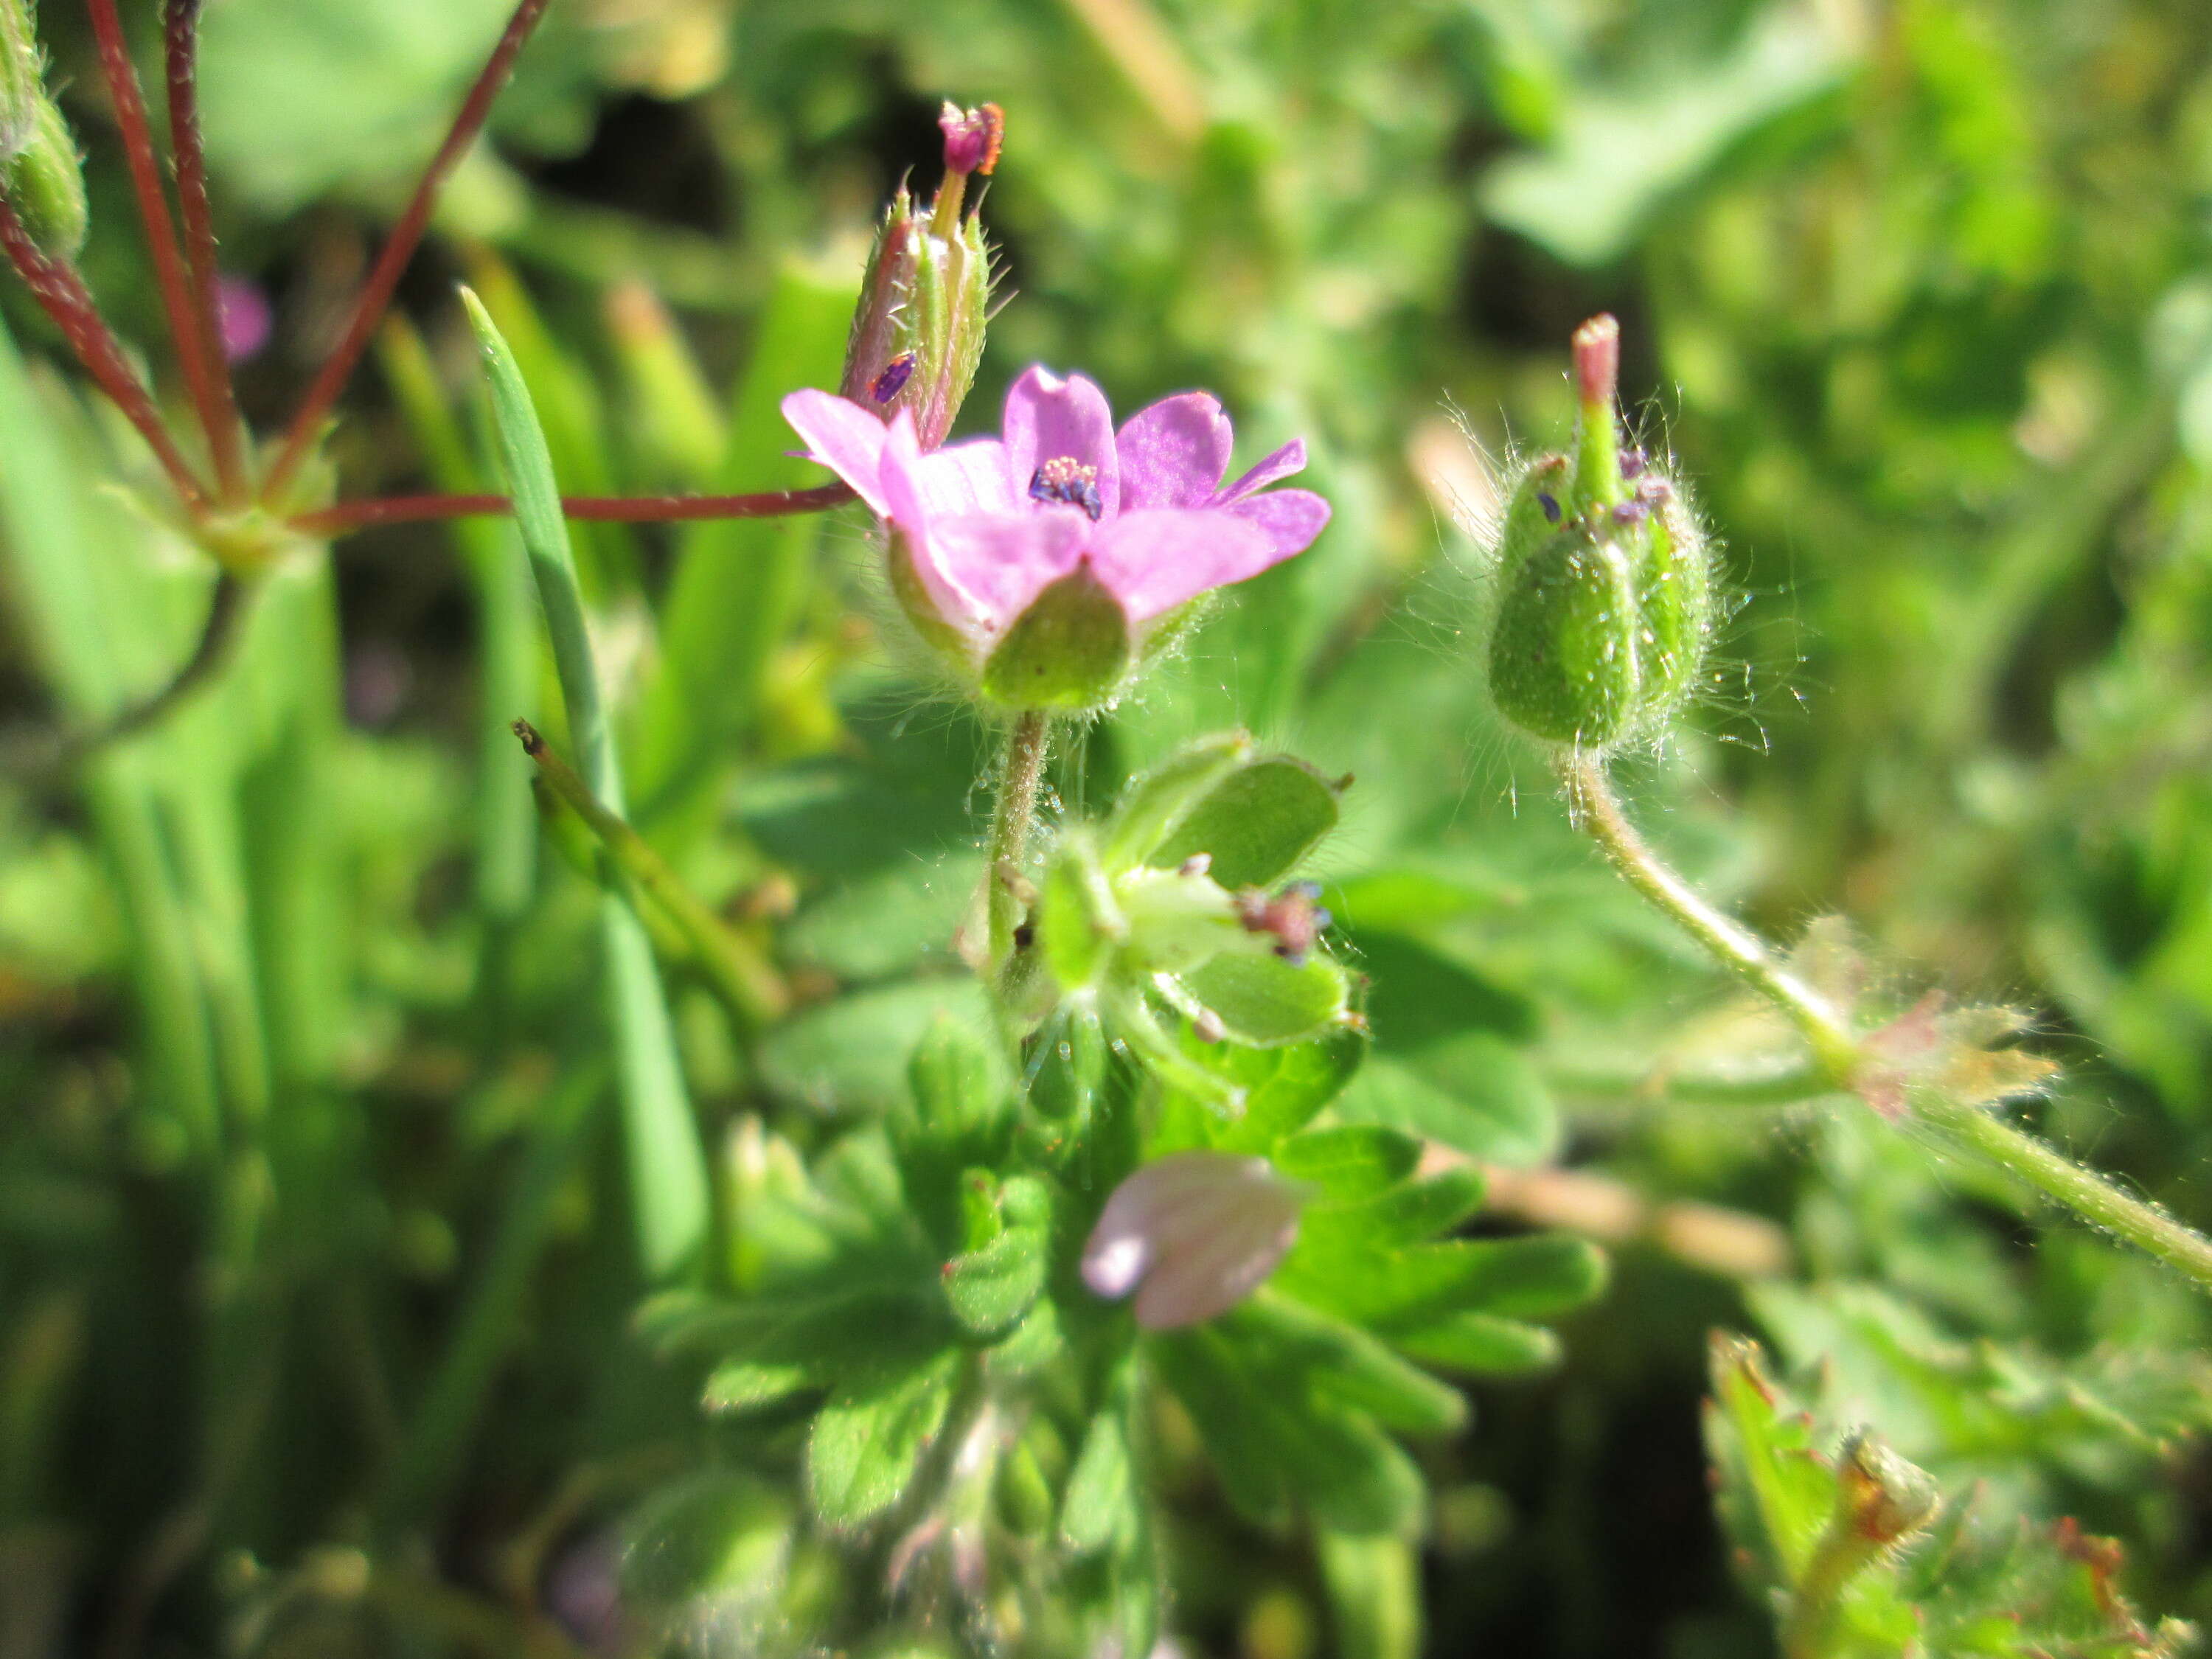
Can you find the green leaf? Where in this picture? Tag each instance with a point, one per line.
(851, 1054)
(1474, 1094)
(1284, 1089)
(1255, 824)
(1408, 1213)
(1349, 1366)
(870, 1438)
(1480, 1345)
(1516, 1278)
(958, 1081)
(1102, 1496)
(1078, 922)
(991, 1288)
(1159, 800)
(667, 1165)
(1264, 1001)
(1349, 1161)
(718, 1534)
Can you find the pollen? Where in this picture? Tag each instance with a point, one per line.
(1065, 480)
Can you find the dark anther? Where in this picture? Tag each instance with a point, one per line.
(1632, 462)
(1550, 503)
(1025, 936)
(1068, 480)
(1630, 513)
(893, 381)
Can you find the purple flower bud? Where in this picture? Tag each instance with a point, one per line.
(1192, 1235)
(1294, 916)
(972, 137)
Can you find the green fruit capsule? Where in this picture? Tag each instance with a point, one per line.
(1605, 602)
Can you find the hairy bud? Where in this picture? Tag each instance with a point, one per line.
(39, 173)
(918, 332)
(1604, 605)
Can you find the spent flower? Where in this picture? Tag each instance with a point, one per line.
(1605, 602)
(1192, 1234)
(1041, 563)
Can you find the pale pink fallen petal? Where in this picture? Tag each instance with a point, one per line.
(844, 437)
(1290, 518)
(1004, 563)
(1290, 458)
(1192, 1234)
(1154, 560)
(1049, 417)
(1173, 452)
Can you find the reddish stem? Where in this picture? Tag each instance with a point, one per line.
(406, 234)
(62, 295)
(180, 42)
(624, 509)
(115, 67)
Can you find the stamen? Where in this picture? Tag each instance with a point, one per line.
(1065, 480)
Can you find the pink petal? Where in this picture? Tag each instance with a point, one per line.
(1004, 563)
(1154, 560)
(1290, 518)
(1174, 452)
(1192, 1234)
(1198, 1283)
(969, 477)
(900, 472)
(1290, 458)
(1048, 417)
(844, 437)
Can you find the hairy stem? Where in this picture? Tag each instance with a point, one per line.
(145, 168)
(180, 39)
(2058, 1178)
(740, 974)
(1598, 811)
(62, 295)
(398, 249)
(1011, 820)
(627, 509)
(1836, 1054)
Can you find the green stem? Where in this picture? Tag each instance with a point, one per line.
(1835, 1048)
(1011, 820)
(2057, 1177)
(743, 977)
(1598, 811)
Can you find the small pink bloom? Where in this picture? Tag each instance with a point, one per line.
(243, 317)
(1193, 1234)
(992, 522)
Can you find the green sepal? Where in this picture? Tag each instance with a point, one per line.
(1070, 650)
(1255, 823)
(1156, 803)
(1261, 999)
(1078, 924)
(988, 1289)
(1529, 523)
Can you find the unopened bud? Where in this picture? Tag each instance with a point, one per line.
(917, 332)
(39, 173)
(1880, 1498)
(1604, 605)
(44, 182)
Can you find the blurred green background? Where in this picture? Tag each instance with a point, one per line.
(1919, 294)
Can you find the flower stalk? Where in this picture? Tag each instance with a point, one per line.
(1842, 1057)
(1013, 815)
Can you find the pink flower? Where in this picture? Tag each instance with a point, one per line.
(1193, 1234)
(990, 523)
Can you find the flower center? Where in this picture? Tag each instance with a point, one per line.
(1068, 481)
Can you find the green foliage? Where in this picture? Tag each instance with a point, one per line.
(1856, 1556)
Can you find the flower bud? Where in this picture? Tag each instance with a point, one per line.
(39, 173)
(1605, 606)
(917, 332)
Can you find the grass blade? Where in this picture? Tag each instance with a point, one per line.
(667, 1166)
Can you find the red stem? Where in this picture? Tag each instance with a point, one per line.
(625, 509)
(62, 295)
(115, 67)
(369, 311)
(180, 42)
